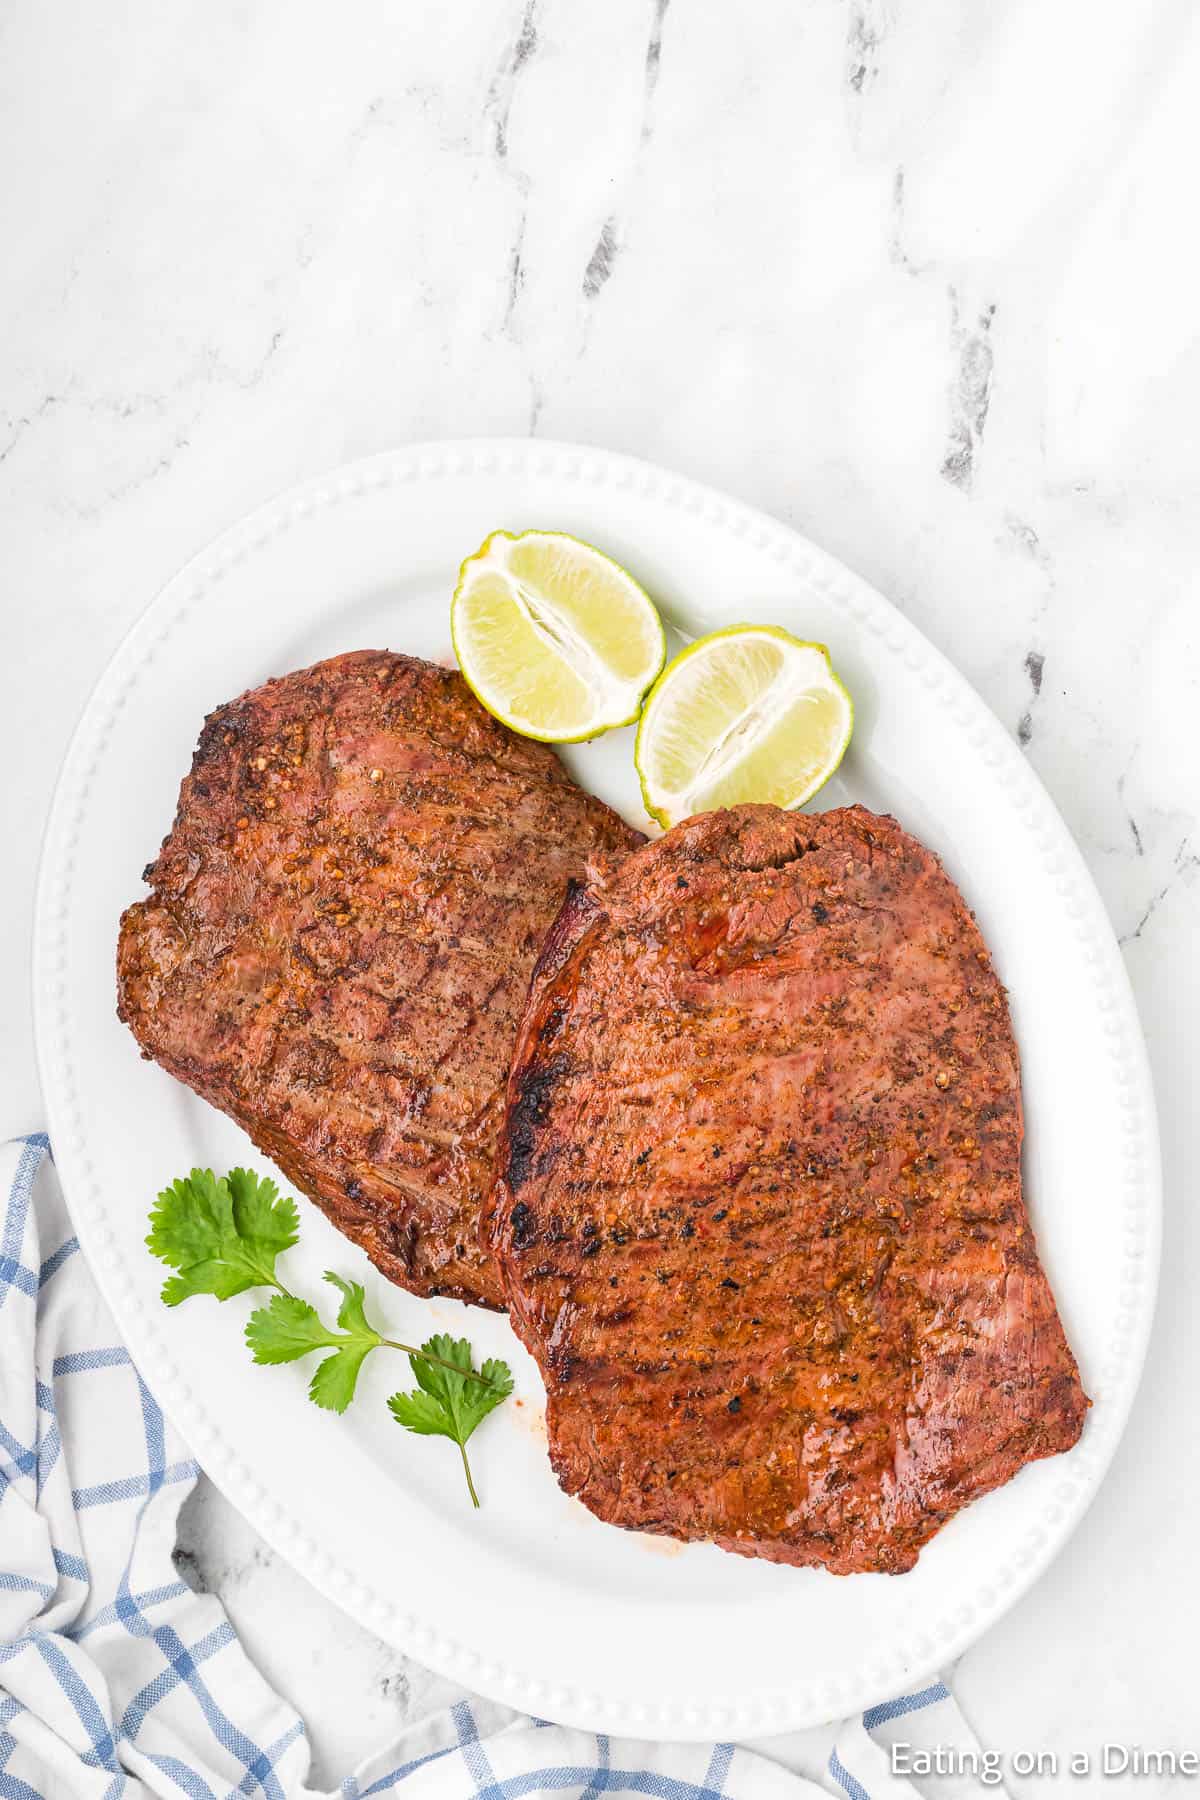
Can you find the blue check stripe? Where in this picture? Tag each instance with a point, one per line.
(595, 1786)
(351, 1790)
(273, 1752)
(473, 1752)
(108, 1356)
(12, 1272)
(103, 1753)
(107, 1493)
(9, 1708)
(184, 1778)
(23, 1459)
(54, 1263)
(718, 1768)
(128, 1609)
(49, 1446)
(845, 1780)
(907, 1703)
(152, 1425)
(16, 1275)
(73, 1567)
(17, 1583)
(12, 1789)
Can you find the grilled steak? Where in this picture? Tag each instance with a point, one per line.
(342, 927)
(759, 1212)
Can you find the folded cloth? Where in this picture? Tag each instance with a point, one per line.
(117, 1679)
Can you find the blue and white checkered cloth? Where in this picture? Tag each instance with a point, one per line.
(116, 1679)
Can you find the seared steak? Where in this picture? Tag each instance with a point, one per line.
(342, 927)
(759, 1209)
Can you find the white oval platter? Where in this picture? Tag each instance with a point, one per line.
(530, 1600)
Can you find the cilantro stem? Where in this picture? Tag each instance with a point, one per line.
(408, 1349)
(441, 1361)
(467, 1472)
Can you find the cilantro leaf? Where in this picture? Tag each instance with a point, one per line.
(420, 1413)
(333, 1384)
(288, 1328)
(351, 1316)
(335, 1379)
(284, 1329)
(452, 1397)
(260, 1214)
(221, 1235)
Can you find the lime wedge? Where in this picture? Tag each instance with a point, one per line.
(555, 639)
(750, 713)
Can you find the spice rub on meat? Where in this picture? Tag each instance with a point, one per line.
(340, 936)
(759, 1205)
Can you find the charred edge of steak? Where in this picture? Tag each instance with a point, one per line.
(530, 1108)
(528, 1098)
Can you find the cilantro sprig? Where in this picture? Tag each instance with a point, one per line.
(223, 1235)
(447, 1403)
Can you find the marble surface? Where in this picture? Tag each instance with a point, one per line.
(919, 276)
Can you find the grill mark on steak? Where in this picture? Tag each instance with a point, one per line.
(759, 1211)
(341, 930)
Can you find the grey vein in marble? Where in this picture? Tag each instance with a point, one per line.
(601, 261)
(1035, 663)
(609, 244)
(498, 110)
(653, 67)
(19, 426)
(971, 391)
(1026, 539)
(498, 105)
(1134, 830)
(864, 35)
(1183, 868)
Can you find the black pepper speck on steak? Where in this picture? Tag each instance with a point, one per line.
(759, 1209)
(340, 936)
